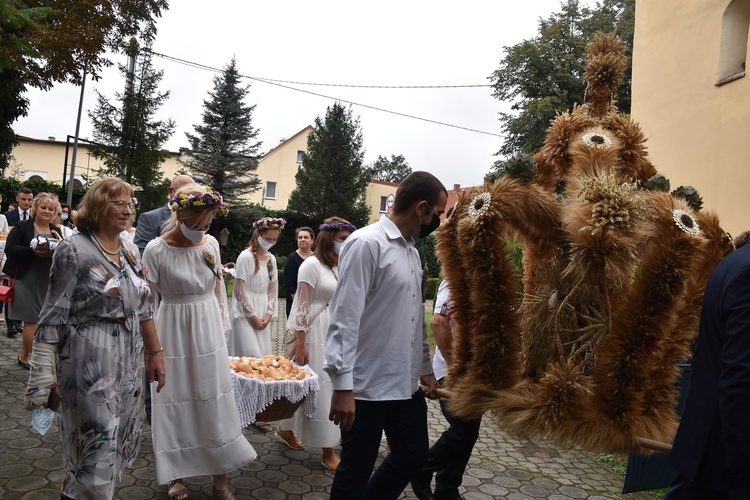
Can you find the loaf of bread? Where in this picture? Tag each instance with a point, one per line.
(269, 368)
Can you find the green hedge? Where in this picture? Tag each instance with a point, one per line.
(432, 286)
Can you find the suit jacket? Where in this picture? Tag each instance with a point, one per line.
(150, 225)
(20, 255)
(712, 446)
(13, 218)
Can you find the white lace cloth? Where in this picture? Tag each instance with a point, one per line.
(253, 395)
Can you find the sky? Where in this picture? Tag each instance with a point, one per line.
(384, 43)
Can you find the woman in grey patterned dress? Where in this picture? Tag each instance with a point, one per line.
(95, 326)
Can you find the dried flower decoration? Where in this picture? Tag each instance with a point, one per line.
(597, 140)
(686, 222)
(134, 263)
(479, 205)
(209, 259)
(338, 226)
(210, 198)
(269, 223)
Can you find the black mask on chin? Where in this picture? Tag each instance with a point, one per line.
(427, 229)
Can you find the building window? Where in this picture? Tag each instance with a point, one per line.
(34, 175)
(383, 202)
(270, 190)
(735, 26)
(300, 156)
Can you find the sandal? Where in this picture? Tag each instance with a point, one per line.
(177, 488)
(223, 495)
(289, 439)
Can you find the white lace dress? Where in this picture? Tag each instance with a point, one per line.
(255, 294)
(195, 423)
(316, 283)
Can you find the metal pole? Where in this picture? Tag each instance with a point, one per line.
(75, 141)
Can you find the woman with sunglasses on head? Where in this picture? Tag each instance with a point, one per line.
(95, 338)
(256, 290)
(196, 427)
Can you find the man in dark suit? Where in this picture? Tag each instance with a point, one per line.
(151, 223)
(712, 448)
(24, 198)
(23, 212)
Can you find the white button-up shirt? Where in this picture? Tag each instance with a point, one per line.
(377, 342)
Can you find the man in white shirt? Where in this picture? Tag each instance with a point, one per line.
(377, 350)
(450, 454)
(24, 198)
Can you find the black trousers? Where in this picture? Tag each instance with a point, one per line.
(450, 454)
(681, 488)
(405, 424)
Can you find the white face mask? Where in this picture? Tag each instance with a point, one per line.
(195, 236)
(265, 245)
(337, 246)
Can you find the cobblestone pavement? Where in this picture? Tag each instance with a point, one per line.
(501, 467)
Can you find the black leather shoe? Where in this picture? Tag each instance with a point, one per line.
(421, 488)
(11, 332)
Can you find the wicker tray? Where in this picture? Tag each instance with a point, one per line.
(259, 401)
(280, 409)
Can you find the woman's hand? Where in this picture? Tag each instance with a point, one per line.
(155, 369)
(264, 322)
(300, 354)
(41, 253)
(256, 323)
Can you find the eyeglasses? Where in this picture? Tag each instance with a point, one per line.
(122, 205)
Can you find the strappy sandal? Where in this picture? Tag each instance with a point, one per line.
(223, 495)
(177, 488)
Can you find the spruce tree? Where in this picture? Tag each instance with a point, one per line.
(127, 137)
(332, 179)
(223, 149)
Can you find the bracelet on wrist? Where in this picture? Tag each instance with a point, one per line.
(154, 353)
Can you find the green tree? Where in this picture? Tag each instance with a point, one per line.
(224, 150)
(127, 137)
(332, 179)
(393, 170)
(43, 42)
(543, 76)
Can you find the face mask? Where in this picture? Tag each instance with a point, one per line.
(264, 244)
(429, 228)
(64, 217)
(195, 236)
(337, 246)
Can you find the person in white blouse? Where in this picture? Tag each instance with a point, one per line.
(377, 350)
(256, 290)
(309, 318)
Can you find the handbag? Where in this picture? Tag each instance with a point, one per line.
(290, 336)
(7, 293)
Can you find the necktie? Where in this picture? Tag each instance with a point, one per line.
(25, 216)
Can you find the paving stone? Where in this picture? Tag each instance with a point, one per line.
(500, 467)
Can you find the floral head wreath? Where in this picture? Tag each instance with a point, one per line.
(210, 198)
(338, 226)
(269, 223)
(136, 203)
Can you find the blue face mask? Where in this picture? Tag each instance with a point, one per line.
(64, 217)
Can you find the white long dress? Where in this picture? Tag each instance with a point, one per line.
(316, 283)
(255, 294)
(195, 424)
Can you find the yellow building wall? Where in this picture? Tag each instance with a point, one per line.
(46, 158)
(373, 194)
(280, 166)
(698, 133)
